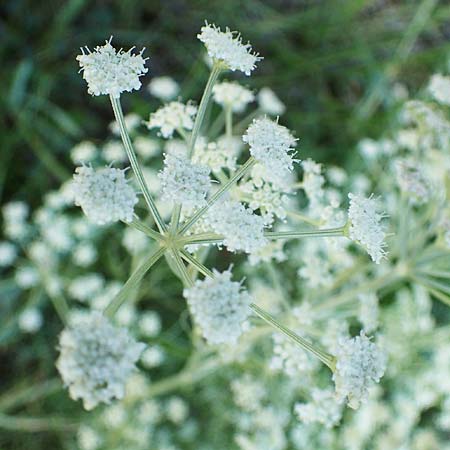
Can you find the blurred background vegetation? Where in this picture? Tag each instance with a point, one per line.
(333, 62)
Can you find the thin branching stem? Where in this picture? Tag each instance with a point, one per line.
(118, 113)
(307, 233)
(196, 263)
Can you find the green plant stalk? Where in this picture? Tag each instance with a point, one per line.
(138, 225)
(301, 234)
(132, 282)
(196, 263)
(201, 238)
(118, 113)
(326, 358)
(213, 76)
(181, 270)
(36, 424)
(221, 191)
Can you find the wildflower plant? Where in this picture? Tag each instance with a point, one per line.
(367, 255)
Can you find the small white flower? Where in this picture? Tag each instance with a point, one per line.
(269, 103)
(104, 195)
(215, 155)
(184, 182)
(84, 254)
(369, 312)
(227, 47)
(113, 152)
(132, 121)
(271, 144)
(172, 117)
(30, 320)
(365, 226)
(359, 364)
(150, 324)
(231, 94)
(145, 147)
(85, 287)
(96, 359)
(323, 408)
(439, 88)
(219, 306)
(26, 277)
(152, 357)
(83, 152)
(8, 253)
(111, 72)
(164, 88)
(242, 229)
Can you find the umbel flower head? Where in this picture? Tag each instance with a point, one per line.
(365, 225)
(232, 95)
(359, 364)
(171, 117)
(96, 359)
(111, 72)
(104, 195)
(184, 182)
(219, 306)
(241, 228)
(272, 145)
(227, 47)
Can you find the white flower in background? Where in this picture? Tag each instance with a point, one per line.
(313, 183)
(88, 438)
(215, 155)
(85, 287)
(172, 117)
(83, 152)
(96, 359)
(26, 277)
(132, 121)
(145, 147)
(269, 103)
(15, 212)
(412, 181)
(8, 253)
(111, 72)
(104, 195)
(219, 307)
(365, 226)
(359, 364)
(84, 254)
(177, 410)
(113, 152)
(30, 320)
(184, 182)
(230, 94)
(248, 392)
(150, 324)
(369, 311)
(165, 88)
(152, 357)
(439, 88)
(227, 47)
(241, 228)
(102, 297)
(271, 144)
(134, 240)
(323, 408)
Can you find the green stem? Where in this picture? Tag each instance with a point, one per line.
(229, 122)
(181, 268)
(325, 357)
(222, 190)
(132, 282)
(138, 225)
(215, 72)
(300, 234)
(36, 424)
(202, 238)
(118, 113)
(196, 263)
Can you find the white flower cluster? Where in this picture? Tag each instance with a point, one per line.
(241, 228)
(360, 363)
(111, 72)
(183, 182)
(227, 47)
(271, 144)
(172, 117)
(219, 307)
(439, 88)
(323, 408)
(164, 88)
(215, 155)
(365, 225)
(270, 103)
(104, 195)
(412, 181)
(231, 94)
(96, 359)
